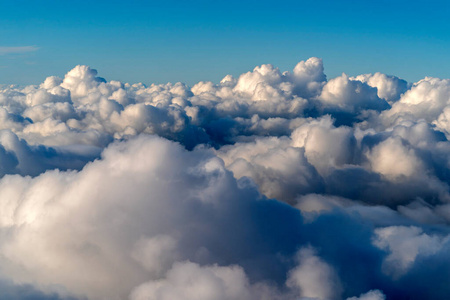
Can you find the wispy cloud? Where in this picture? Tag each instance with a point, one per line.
(15, 50)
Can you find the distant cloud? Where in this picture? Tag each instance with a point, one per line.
(16, 50)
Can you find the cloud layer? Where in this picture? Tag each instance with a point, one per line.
(272, 185)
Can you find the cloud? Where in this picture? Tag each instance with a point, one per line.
(343, 93)
(371, 295)
(404, 245)
(272, 184)
(314, 278)
(311, 279)
(388, 87)
(14, 291)
(106, 230)
(17, 50)
(189, 281)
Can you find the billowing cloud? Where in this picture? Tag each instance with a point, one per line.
(314, 278)
(273, 184)
(371, 295)
(405, 244)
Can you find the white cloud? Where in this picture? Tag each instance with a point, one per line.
(405, 244)
(96, 202)
(371, 295)
(326, 146)
(388, 87)
(314, 278)
(343, 93)
(393, 159)
(189, 281)
(16, 50)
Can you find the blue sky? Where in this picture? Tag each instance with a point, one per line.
(189, 41)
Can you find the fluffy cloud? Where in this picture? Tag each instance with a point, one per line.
(280, 170)
(314, 278)
(344, 94)
(269, 185)
(189, 281)
(371, 295)
(405, 244)
(20, 49)
(426, 99)
(311, 279)
(388, 87)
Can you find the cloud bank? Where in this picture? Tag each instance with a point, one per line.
(272, 185)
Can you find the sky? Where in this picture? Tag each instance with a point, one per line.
(190, 41)
(277, 151)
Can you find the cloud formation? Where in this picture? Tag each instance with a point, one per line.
(269, 185)
(15, 50)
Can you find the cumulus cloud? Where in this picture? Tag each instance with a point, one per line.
(272, 184)
(405, 244)
(344, 94)
(371, 295)
(426, 99)
(314, 278)
(189, 281)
